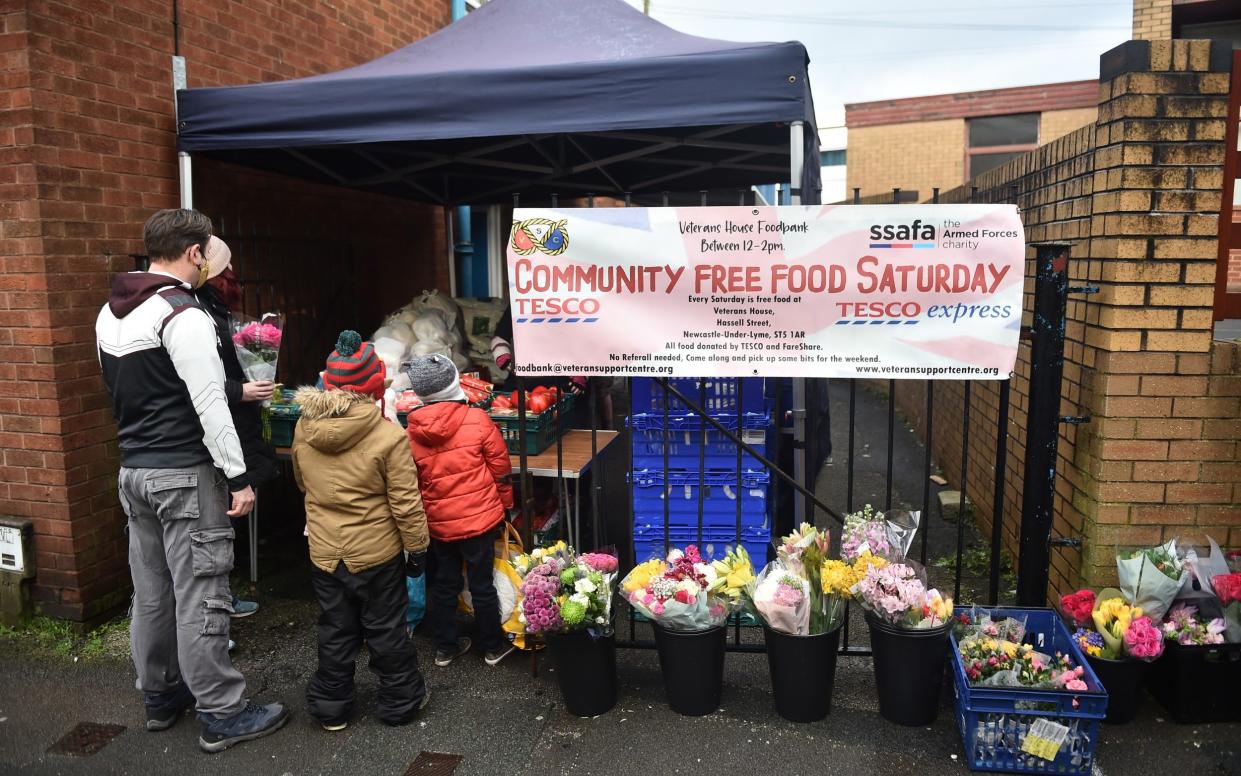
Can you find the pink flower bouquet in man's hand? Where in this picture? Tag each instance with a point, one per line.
(258, 345)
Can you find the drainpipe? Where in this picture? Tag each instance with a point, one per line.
(463, 247)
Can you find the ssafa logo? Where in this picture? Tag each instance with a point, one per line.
(540, 234)
(915, 235)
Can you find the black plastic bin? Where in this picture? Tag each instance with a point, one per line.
(909, 670)
(803, 670)
(692, 663)
(1199, 683)
(1123, 681)
(585, 670)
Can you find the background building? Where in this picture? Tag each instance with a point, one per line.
(943, 140)
(833, 143)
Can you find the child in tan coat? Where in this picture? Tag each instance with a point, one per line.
(363, 513)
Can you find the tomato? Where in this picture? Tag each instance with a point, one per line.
(538, 403)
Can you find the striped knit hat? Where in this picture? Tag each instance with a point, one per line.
(353, 366)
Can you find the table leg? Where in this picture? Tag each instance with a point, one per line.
(577, 508)
(254, 540)
(566, 511)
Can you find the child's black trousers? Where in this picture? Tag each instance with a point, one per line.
(370, 606)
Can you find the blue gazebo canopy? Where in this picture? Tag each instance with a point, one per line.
(530, 96)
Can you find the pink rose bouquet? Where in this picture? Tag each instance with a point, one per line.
(258, 345)
(1143, 640)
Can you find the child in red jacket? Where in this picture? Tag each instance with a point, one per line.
(463, 470)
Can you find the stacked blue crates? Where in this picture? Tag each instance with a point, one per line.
(666, 467)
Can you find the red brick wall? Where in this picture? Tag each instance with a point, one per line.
(86, 153)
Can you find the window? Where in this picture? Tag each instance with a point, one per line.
(994, 140)
(832, 158)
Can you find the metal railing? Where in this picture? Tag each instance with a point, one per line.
(1041, 430)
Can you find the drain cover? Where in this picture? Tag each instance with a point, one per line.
(433, 764)
(85, 739)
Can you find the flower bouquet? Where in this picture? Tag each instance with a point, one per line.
(870, 531)
(258, 344)
(837, 579)
(909, 626)
(689, 600)
(524, 563)
(567, 599)
(1151, 577)
(1183, 626)
(799, 598)
(1119, 640)
(991, 662)
(567, 592)
(1228, 590)
(683, 592)
(897, 595)
(789, 596)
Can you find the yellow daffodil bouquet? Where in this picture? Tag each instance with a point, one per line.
(837, 578)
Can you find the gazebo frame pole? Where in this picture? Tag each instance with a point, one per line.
(797, 161)
(185, 171)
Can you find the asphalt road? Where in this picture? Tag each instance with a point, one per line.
(504, 721)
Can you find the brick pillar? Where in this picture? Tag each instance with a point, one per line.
(1152, 19)
(1153, 457)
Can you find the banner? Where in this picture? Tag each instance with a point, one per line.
(878, 291)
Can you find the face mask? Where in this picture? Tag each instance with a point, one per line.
(203, 272)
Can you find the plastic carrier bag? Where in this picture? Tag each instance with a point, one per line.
(416, 609)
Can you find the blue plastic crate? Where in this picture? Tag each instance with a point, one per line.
(686, 439)
(993, 721)
(647, 396)
(681, 490)
(648, 542)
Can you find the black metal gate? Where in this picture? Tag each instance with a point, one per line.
(976, 427)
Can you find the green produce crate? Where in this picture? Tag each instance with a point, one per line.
(282, 418)
(540, 429)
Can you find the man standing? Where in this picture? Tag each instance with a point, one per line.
(182, 477)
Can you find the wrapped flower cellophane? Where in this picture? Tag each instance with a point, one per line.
(781, 598)
(885, 536)
(1151, 577)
